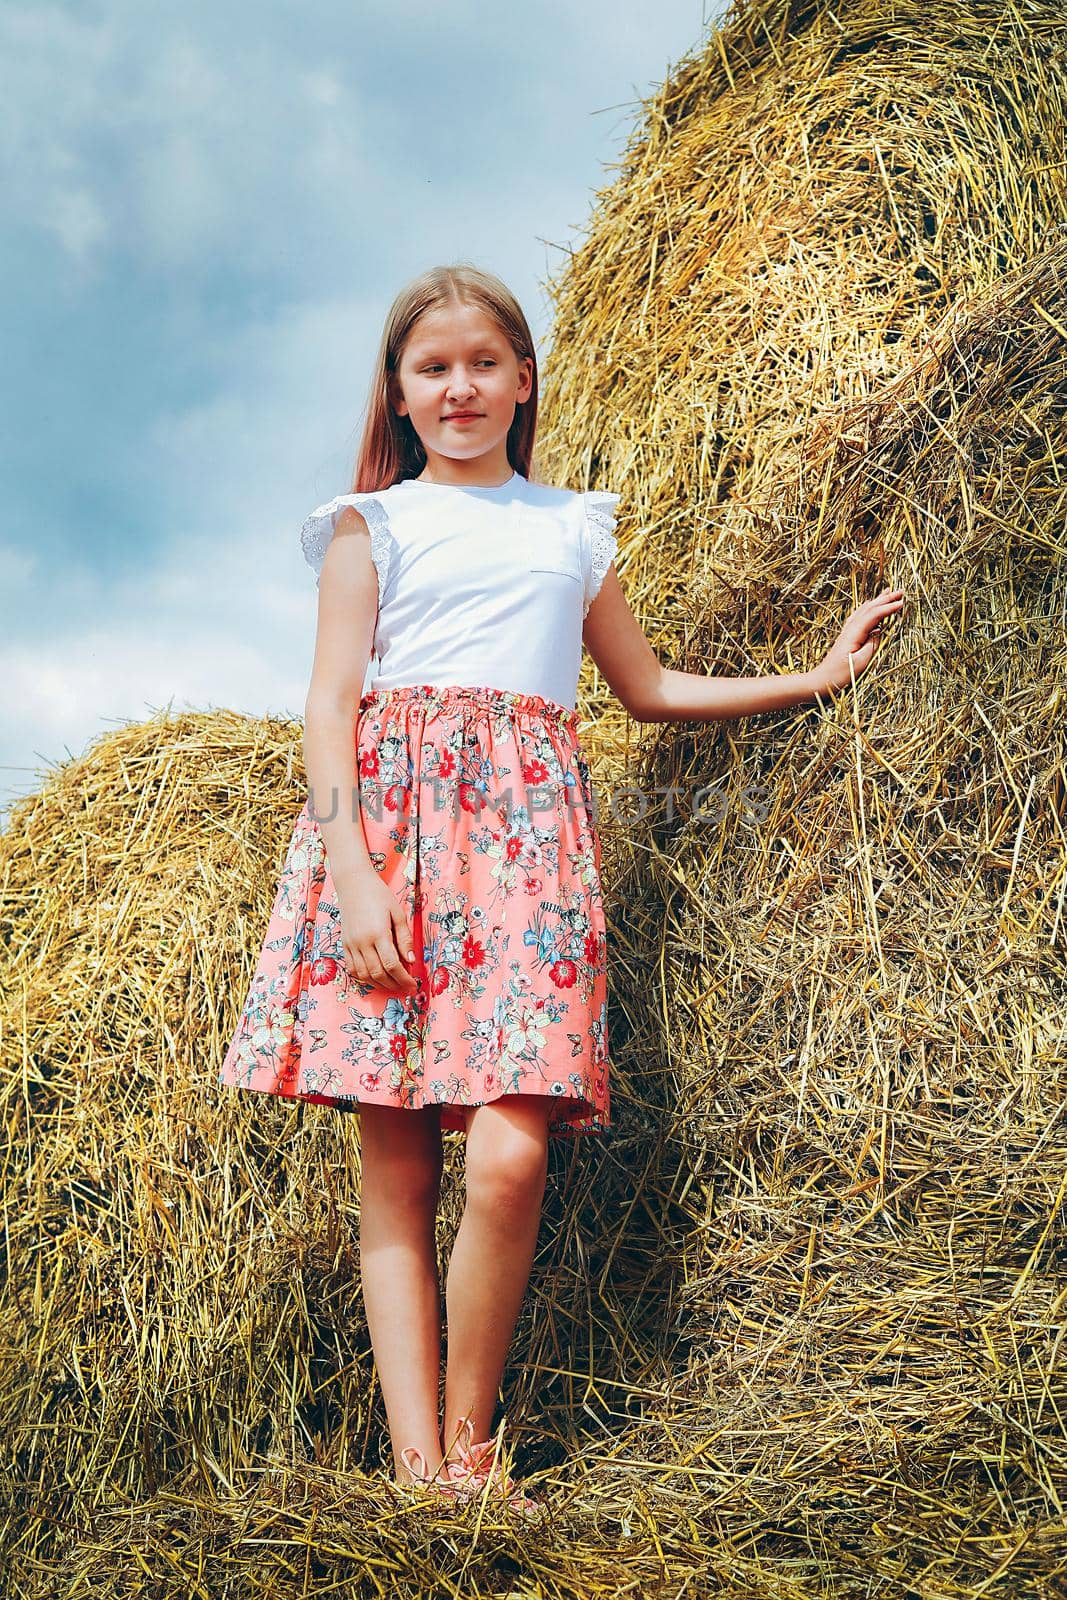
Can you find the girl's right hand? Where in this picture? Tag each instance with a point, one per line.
(376, 935)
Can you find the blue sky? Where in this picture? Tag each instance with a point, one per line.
(208, 212)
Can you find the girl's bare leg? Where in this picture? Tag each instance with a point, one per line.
(402, 1157)
(507, 1162)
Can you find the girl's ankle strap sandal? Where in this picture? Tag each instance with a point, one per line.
(423, 1477)
(477, 1468)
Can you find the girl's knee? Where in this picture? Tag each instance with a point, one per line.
(506, 1163)
(402, 1184)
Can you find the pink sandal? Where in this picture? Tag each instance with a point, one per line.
(423, 1477)
(477, 1467)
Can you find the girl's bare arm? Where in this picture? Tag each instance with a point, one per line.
(652, 692)
(376, 935)
(344, 640)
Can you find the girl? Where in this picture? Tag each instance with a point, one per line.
(435, 957)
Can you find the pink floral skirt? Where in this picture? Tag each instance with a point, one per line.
(477, 808)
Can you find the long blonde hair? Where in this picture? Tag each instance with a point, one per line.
(391, 449)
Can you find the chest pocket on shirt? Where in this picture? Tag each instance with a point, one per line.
(551, 548)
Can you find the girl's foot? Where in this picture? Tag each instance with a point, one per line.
(475, 1467)
(422, 1477)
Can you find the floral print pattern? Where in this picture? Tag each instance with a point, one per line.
(477, 808)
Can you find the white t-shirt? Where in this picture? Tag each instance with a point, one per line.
(479, 586)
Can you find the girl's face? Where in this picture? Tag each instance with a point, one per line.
(457, 363)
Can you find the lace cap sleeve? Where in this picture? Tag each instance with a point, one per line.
(600, 541)
(317, 531)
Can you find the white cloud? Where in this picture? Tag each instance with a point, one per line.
(233, 637)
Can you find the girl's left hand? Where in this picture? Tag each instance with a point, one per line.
(858, 639)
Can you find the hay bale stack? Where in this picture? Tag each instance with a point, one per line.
(844, 993)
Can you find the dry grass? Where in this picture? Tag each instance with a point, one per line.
(796, 1327)
(802, 204)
